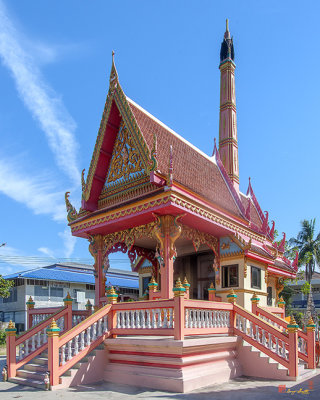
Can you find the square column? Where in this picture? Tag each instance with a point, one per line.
(167, 232)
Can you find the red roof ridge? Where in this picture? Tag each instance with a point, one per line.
(210, 158)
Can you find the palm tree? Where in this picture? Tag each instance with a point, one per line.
(308, 245)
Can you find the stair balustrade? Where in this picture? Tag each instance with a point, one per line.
(280, 346)
(23, 348)
(304, 344)
(66, 350)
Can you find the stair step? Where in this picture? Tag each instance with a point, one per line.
(40, 361)
(35, 367)
(31, 375)
(28, 382)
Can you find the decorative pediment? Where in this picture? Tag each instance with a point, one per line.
(121, 154)
(127, 165)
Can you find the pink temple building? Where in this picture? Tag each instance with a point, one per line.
(210, 270)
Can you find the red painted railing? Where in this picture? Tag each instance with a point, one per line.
(306, 347)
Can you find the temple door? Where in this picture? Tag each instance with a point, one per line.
(205, 275)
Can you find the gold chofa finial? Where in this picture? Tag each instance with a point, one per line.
(227, 25)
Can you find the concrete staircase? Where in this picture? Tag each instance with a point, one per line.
(257, 364)
(174, 365)
(33, 373)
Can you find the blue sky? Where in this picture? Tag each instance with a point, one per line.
(55, 58)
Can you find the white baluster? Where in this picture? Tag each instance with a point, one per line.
(39, 339)
(138, 319)
(133, 318)
(76, 345)
(142, 319)
(20, 351)
(81, 340)
(148, 319)
(127, 319)
(159, 318)
(69, 350)
(190, 318)
(269, 341)
(26, 347)
(88, 334)
(63, 354)
(33, 344)
(170, 324)
(105, 323)
(100, 327)
(284, 355)
(94, 334)
(165, 318)
(214, 319)
(154, 321)
(277, 345)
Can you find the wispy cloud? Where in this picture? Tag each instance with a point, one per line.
(36, 192)
(46, 251)
(69, 242)
(43, 103)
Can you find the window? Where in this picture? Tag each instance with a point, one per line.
(230, 275)
(41, 291)
(56, 292)
(90, 287)
(269, 296)
(13, 296)
(145, 282)
(255, 278)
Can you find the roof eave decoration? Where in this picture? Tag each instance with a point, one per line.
(255, 201)
(72, 214)
(228, 181)
(116, 95)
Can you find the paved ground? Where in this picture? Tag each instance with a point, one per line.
(242, 388)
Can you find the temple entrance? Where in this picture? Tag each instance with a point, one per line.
(197, 268)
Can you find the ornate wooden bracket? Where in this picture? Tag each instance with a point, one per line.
(167, 227)
(96, 245)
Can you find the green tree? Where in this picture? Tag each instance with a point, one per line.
(308, 245)
(5, 287)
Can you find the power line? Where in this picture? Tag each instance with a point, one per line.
(29, 260)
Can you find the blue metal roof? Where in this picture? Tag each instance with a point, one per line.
(82, 276)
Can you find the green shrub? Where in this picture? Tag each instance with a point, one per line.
(2, 338)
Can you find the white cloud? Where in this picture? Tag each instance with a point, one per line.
(43, 103)
(69, 242)
(46, 251)
(35, 192)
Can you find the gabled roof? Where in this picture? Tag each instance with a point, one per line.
(192, 168)
(84, 275)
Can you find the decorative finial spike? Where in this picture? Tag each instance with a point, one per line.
(112, 55)
(227, 25)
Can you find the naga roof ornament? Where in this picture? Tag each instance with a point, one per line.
(72, 212)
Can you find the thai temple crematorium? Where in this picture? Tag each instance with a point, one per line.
(210, 270)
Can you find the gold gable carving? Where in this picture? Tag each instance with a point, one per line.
(126, 161)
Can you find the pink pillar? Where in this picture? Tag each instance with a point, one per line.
(167, 232)
(255, 303)
(179, 318)
(311, 344)
(11, 349)
(112, 315)
(293, 347)
(68, 318)
(97, 250)
(30, 306)
(167, 270)
(53, 353)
